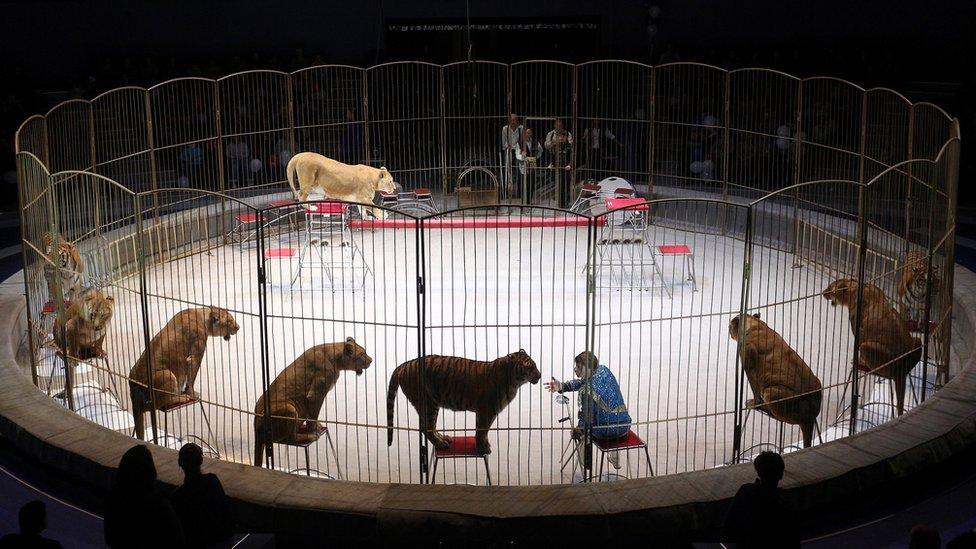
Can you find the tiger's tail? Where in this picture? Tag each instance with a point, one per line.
(391, 395)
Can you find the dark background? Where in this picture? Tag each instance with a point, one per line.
(54, 50)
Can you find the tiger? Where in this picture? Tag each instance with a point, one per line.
(79, 330)
(460, 384)
(886, 347)
(65, 271)
(914, 279)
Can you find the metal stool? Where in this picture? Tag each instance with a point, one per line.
(308, 463)
(166, 410)
(681, 250)
(460, 447)
(630, 441)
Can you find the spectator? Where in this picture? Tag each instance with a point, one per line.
(965, 540)
(33, 521)
(602, 407)
(511, 137)
(759, 517)
(529, 155)
(559, 144)
(200, 503)
(923, 537)
(135, 515)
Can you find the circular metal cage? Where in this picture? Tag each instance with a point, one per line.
(748, 193)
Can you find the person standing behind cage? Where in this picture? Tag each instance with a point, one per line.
(559, 144)
(529, 155)
(511, 137)
(602, 407)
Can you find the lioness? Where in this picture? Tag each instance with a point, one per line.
(886, 348)
(782, 383)
(357, 183)
(299, 390)
(177, 352)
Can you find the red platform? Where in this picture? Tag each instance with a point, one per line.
(626, 442)
(674, 249)
(472, 223)
(279, 252)
(247, 218)
(328, 208)
(460, 447)
(637, 204)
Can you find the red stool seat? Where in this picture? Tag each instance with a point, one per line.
(460, 447)
(279, 252)
(638, 204)
(331, 208)
(177, 405)
(590, 188)
(49, 307)
(422, 192)
(624, 192)
(674, 249)
(630, 441)
(284, 202)
(626, 442)
(247, 218)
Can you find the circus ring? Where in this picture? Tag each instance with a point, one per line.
(482, 282)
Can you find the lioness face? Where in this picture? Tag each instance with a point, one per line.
(220, 323)
(525, 368)
(749, 320)
(355, 357)
(385, 183)
(838, 292)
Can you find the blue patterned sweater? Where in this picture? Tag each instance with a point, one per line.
(608, 413)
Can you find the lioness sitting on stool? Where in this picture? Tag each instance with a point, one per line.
(886, 347)
(177, 352)
(299, 390)
(337, 180)
(783, 385)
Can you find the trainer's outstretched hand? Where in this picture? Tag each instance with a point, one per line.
(553, 385)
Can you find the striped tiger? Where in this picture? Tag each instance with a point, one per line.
(914, 279)
(63, 270)
(460, 384)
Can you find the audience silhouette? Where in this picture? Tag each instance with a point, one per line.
(924, 537)
(759, 516)
(33, 521)
(135, 514)
(200, 503)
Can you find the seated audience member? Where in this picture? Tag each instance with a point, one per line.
(200, 503)
(135, 514)
(965, 540)
(33, 521)
(759, 517)
(602, 407)
(923, 537)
